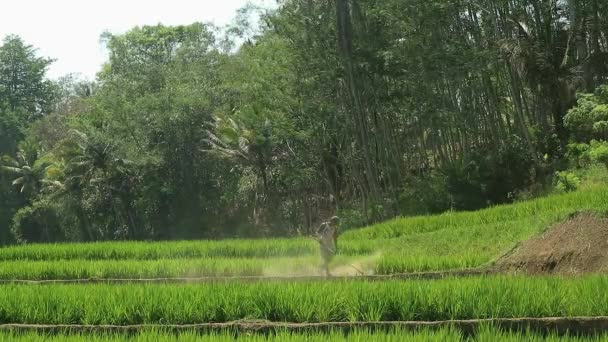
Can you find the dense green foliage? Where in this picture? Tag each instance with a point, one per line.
(590, 117)
(363, 108)
(24, 96)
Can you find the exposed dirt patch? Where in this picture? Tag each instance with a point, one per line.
(577, 246)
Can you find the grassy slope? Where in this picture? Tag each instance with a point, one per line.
(469, 239)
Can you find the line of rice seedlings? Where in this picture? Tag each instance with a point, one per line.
(394, 264)
(481, 297)
(263, 248)
(400, 262)
(172, 268)
(158, 250)
(332, 336)
(395, 335)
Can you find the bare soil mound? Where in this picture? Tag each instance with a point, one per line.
(576, 246)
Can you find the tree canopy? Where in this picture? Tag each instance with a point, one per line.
(365, 109)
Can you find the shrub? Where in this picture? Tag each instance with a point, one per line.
(351, 218)
(427, 195)
(489, 176)
(578, 155)
(599, 152)
(589, 119)
(566, 181)
(484, 177)
(38, 222)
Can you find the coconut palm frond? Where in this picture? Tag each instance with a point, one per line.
(12, 169)
(214, 139)
(19, 181)
(244, 144)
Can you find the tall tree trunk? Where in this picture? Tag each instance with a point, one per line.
(345, 46)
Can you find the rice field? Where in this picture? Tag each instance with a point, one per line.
(435, 243)
(300, 302)
(453, 241)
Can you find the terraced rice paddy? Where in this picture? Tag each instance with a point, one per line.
(452, 241)
(299, 302)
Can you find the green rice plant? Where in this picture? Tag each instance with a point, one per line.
(412, 260)
(136, 250)
(480, 297)
(407, 263)
(332, 336)
(180, 268)
(485, 334)
(163, 268)
(159, 250)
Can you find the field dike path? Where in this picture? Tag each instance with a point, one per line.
(560, 325)
(402, 276)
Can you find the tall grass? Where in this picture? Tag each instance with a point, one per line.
(483, 297)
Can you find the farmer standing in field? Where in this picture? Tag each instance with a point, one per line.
(327, 235)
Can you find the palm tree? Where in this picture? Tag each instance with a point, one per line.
(95, 165)
(92, 158)
(231, 139)
(252, 147)
(29, 172)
